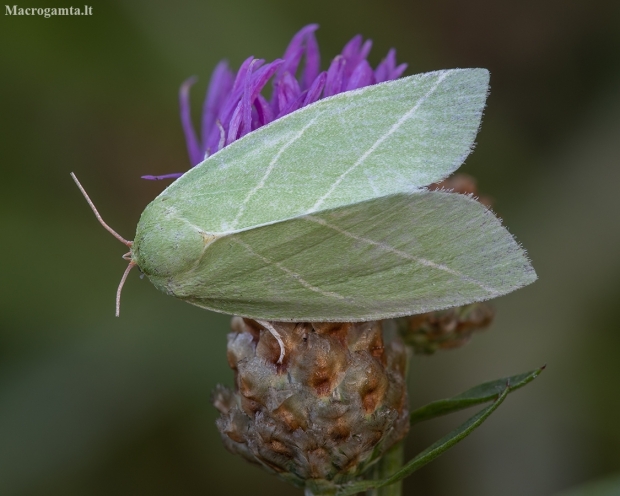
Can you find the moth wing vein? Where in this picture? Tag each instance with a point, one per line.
(406, 116)
(289, 272)
(421, 260)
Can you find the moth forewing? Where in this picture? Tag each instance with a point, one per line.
(380, 140)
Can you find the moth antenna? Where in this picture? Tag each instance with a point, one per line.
(120, 287)
(94, 209)
(275, 334)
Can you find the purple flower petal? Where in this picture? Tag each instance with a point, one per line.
(351, 49)
(260, 78)
(219, 87)
(396, 73)
(354, 52)
(242, 115)
(222, 142)
(212, 143)
(235, 95)
(287, 91)
(246, 104)
(294, 51)
(365, 49)
(241, 74)
(313, 61)
(363, 75)
(263, 109)
(241, 120)
(193, 149)
(234, 106)
(294, 105)
(335, 74)
(314, 92)
(235, 124)
(385, 67)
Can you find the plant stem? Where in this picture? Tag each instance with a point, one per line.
(320, 488)
(392, 461)
(389, 464)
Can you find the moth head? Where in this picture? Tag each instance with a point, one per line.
(127, 256)
(166, 243)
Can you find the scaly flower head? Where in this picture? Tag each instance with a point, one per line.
(234, 104)
(327, 412)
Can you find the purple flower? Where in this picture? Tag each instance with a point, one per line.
(234, 105)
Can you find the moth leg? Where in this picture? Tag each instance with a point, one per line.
(274, 333)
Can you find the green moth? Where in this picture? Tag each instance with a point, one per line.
(323, 214)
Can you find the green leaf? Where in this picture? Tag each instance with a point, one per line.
(429, 454)
(482, 393)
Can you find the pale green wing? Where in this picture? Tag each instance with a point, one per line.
(396, 255)
(384, 139)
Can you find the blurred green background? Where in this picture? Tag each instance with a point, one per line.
(95, 405)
